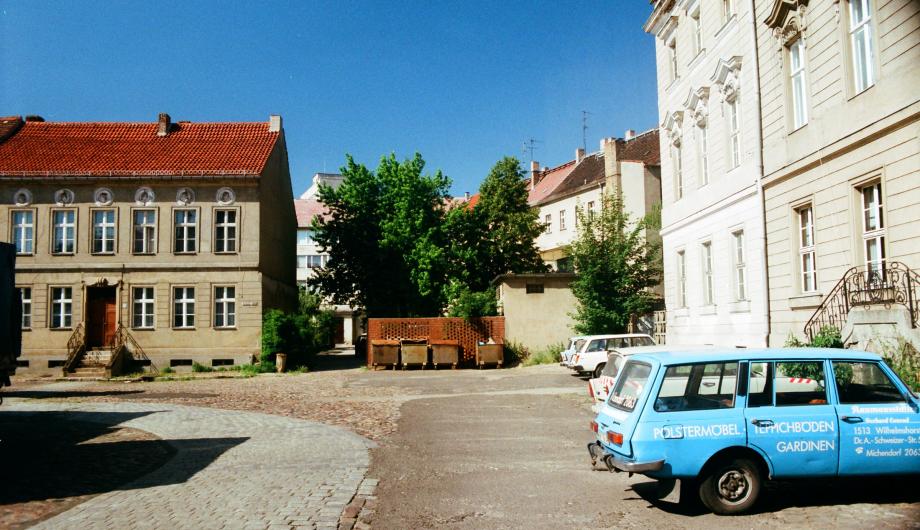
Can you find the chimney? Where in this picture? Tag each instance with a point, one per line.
(579, 155)
(33, 117)
(274, 123)
(163, 123)
(466, 195)
(630, 134)
(610, 148)
(534, 173)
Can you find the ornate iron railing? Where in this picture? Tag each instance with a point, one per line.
(120, 342)
(76, 347)
(892, 284)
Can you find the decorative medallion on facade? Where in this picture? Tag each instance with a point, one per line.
(103, 197)
(22, 197)
(787, 20)
(185, 196)
(673, 126)
(144, 196)
(63, 197)
(225, 196)
(728, 77)
(697, 105)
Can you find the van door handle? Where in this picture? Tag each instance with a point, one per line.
(852, 419)
(762, 423)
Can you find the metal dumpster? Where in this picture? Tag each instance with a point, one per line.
(384, 353)
(445, 352)
(490, 353)
(414, 351)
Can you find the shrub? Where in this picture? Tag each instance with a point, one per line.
(469, 304)
(514, 353)
(198, 367)
(167, 370)
(546, 355)
(904, 359)
(826, 337)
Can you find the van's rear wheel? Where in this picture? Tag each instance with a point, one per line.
(732, 487)
(599, 369)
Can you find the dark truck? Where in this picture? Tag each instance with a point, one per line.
(10, 314)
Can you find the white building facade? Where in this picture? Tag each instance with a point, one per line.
(711, 169)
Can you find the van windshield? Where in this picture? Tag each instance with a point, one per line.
(630, 386)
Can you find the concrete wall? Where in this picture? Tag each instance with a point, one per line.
(537, 320)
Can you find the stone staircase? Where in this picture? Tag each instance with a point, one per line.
(92, 365)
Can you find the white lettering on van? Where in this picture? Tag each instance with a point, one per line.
(804, 446)
(697, 431)
(785, 427)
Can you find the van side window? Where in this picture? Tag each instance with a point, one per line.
(800, 383)
(597, 345)
(760, 385)
(702, 386)
(864, 382)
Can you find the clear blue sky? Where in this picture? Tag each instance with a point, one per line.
(462, 82)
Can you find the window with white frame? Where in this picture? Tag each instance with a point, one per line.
(734, 133)
(103, 231)
(873, 233)
(702, 155)
(61, 307)
(23, 235)
(143, 307)
(183, 307)
(672, 59)
(697, 30)
(185, 224)
(145, 232)
(861, 46)
(548, 224)
(590, 209)
(681, 279)
(728, 9)
(798, 83)
(25, 298)
(677, 164)
(740, 263)
(807, 266)
(65, 228)
(301, 262)
(304, 236)
(225, 231)
(561, 220)
(706, 256)
(315, 261)
(224, 307)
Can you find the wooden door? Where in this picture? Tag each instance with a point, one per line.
(100, 316)
(109, 325)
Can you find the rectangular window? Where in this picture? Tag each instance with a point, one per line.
(678, 172)
(728, 9)
(183, 307)
(61, 307)
(873, 228)
(798, 83)
(740, 266)
(534, 288)
(561, 220)
(706, 255)
(807, 249)
(672, 59)
(315, 261)
(702, 156)
(103, 231)
(225, 231)
(629, 386)
(145, 232)
(143, 307)
(800, 383)
(760, 385)
(304, 236)
(549, 223)
(224, 307)
(185, 223)
(861, 47)
(734, 134)
(25, 297)
(698, 387)
(697, 32)
(23, 235)
(301, 262)
(864, 383)
(681, 279)
(65, 227)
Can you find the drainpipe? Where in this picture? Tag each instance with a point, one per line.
(765, 277)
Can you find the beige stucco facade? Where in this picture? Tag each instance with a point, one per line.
(540, 315)
(853, 139)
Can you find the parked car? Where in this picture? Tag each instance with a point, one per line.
(575, 344)
(592, 356)
(724, 421)
(599, 387)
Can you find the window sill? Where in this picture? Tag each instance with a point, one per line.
(225, 328)
(806, 301)
(63, 253)
(184, 253)
(143, 329)
(740, 306)
(226, 253)
(856, 94)
(728, 22)
(24, 254)
(143, 253)
(184, 329)
(797, 129)
(102, 253)
(696, 59)
(707, 310)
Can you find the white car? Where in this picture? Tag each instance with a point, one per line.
(592, 356)
(599, 386)
(565, 356)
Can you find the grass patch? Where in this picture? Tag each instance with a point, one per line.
(200, 368)
(546, 355)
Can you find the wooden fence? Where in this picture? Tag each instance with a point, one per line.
(466, 332)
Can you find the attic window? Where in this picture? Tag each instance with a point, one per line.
(534, 288)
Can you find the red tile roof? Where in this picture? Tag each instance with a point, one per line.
(307, 209)
(474, 200)
(642, 148)
(549, 181)
(127, 149)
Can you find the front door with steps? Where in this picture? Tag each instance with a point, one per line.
(100, 316)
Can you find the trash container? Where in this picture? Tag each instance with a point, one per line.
(445, 352)
(384, 352)
(414, 351)
(490, 353)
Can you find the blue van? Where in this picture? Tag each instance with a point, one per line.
(725, 421)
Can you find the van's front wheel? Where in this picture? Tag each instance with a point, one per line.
(732, 487)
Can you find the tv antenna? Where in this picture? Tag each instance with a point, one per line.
(530, 145)
(584, 130)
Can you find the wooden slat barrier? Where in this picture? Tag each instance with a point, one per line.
(466, 332)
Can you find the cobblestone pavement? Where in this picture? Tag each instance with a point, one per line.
(231, 470)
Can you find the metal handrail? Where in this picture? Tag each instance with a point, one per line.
(894, 283)
(122, 339)
(76, 346)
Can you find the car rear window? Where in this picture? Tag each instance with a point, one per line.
(630, 386)
(702, 386)
(642, 341)
(614, 363)
(864, 382)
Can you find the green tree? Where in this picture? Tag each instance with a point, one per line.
(616, 266)
(384, 236)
